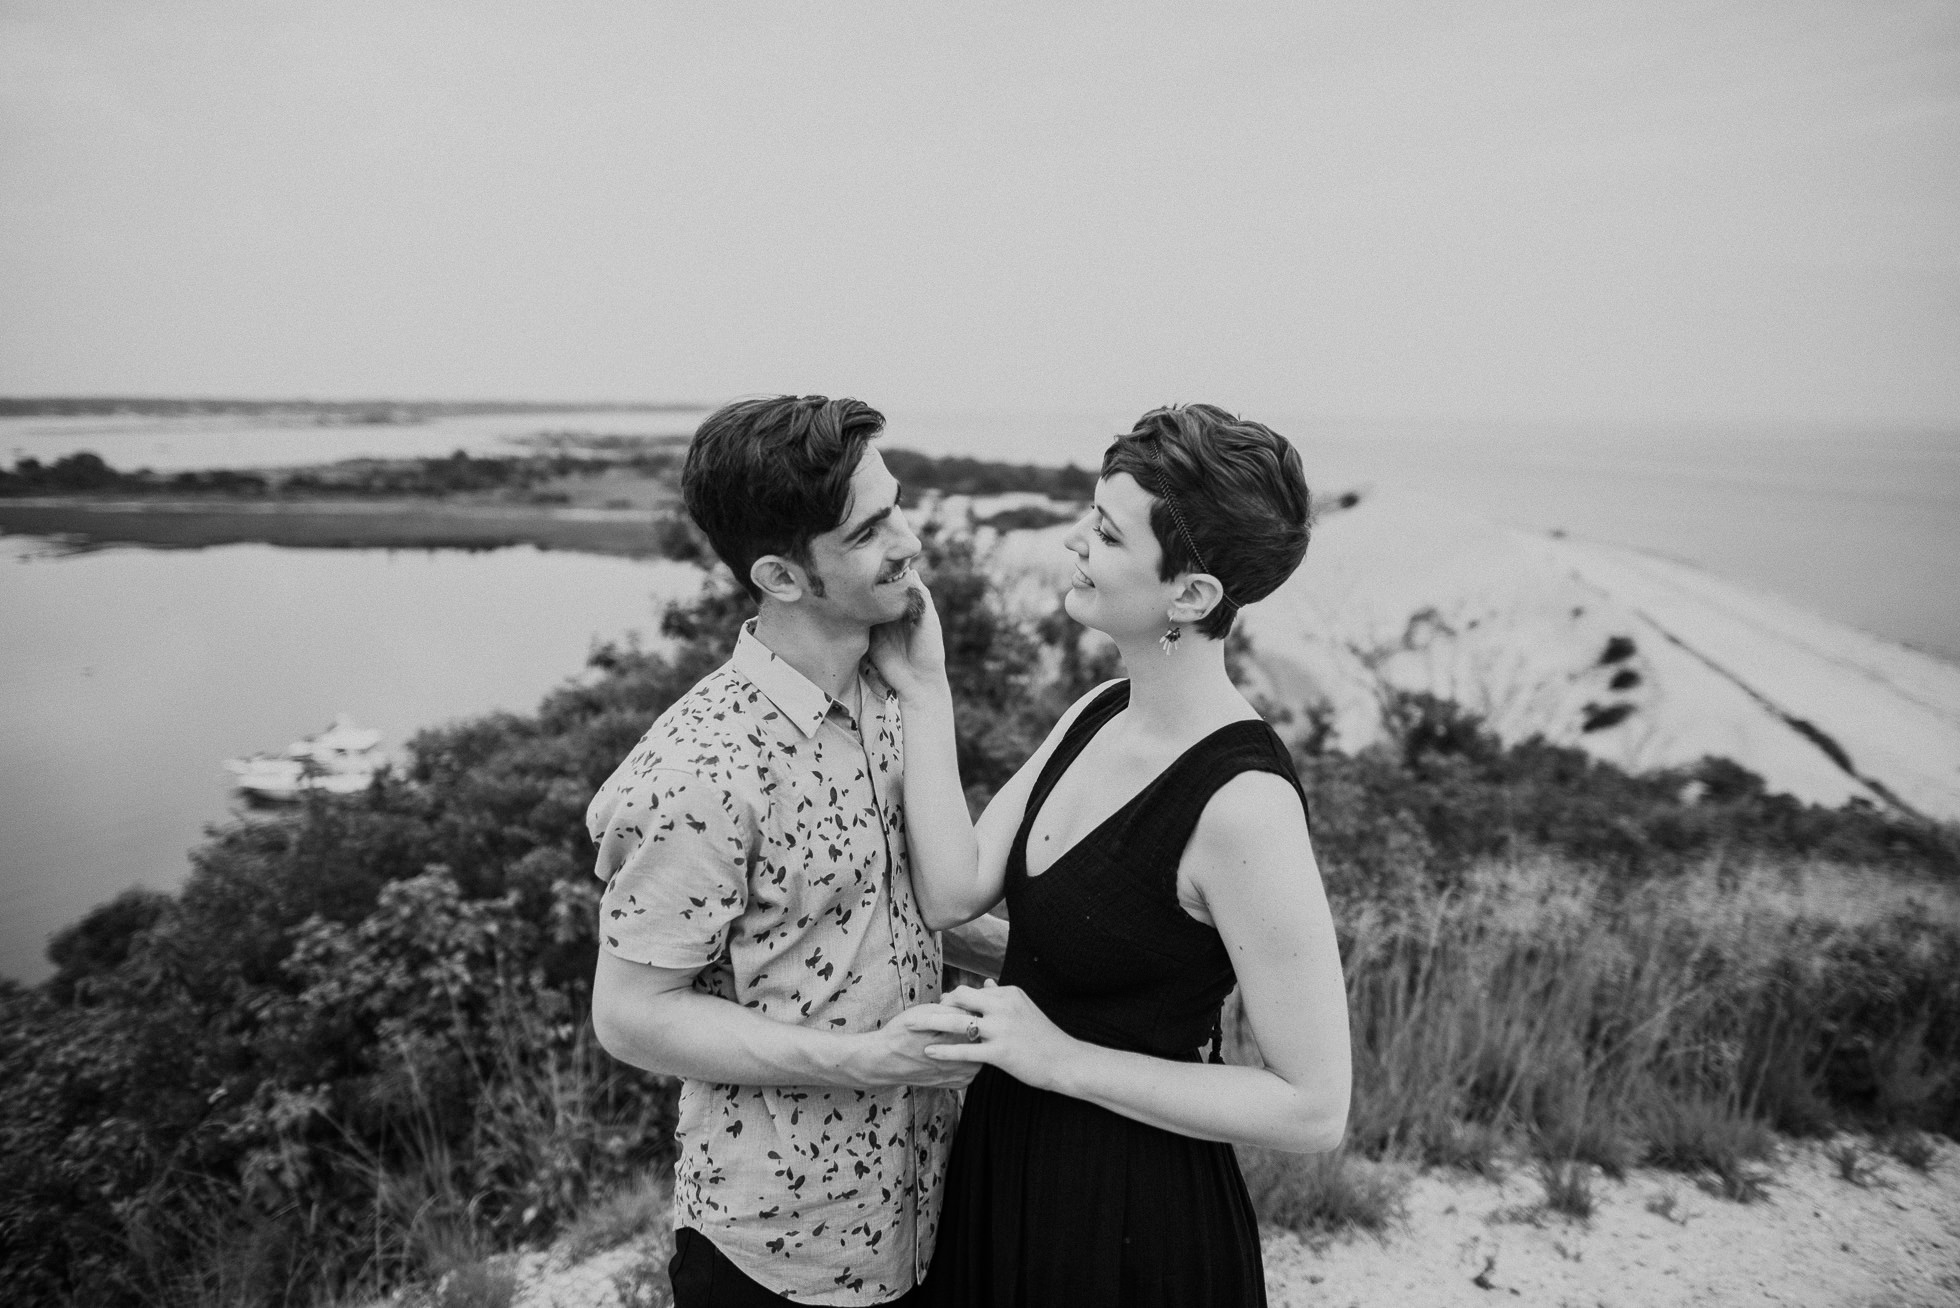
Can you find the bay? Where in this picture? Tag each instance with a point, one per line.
(175, 444)
(1859, 525)
(127, 676)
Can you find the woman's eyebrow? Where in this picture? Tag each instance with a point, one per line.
(1109, 523)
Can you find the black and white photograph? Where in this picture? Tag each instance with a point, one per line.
(1080, 655)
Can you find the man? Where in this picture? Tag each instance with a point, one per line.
(758, 936)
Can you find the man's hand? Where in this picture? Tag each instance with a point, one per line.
(910, 653)
(653, 1018)
(895, 1054)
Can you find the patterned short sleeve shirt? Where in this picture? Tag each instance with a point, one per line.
(756, 833)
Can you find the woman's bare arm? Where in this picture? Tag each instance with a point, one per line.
(1252, 861)
(959, 867)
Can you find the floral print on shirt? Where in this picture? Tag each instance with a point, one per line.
(755, 835)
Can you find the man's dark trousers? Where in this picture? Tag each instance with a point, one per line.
(704, 1278)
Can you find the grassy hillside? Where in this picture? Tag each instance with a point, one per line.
(354, 1050)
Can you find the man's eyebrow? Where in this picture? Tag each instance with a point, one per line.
(870, 524)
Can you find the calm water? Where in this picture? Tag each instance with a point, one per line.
(133, 441)
(128, 676)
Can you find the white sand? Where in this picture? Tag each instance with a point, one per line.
(1818, 1240)
(1406, 592)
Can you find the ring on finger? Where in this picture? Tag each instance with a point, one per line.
(973, 1031)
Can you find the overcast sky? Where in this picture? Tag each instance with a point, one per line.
(1559, 212)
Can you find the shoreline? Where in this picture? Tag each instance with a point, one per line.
(333, 524)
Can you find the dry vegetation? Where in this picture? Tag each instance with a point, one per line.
(352, 1055)
(1541, 1007)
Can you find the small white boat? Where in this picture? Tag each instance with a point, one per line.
(341, 760)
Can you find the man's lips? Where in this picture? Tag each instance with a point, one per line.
(900, 575)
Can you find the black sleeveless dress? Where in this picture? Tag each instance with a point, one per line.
(1054, 1202)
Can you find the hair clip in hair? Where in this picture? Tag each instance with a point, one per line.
(1184, 530)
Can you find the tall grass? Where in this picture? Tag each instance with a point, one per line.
(547, 1140)
(1675, 1021)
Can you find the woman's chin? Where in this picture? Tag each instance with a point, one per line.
(1076, 603)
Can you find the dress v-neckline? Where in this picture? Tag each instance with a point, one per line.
(1037, 804)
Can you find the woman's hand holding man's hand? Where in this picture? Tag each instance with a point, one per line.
(1001, 1025)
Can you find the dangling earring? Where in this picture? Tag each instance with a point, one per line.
(1168, 641)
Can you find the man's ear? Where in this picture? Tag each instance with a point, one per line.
(1199, 595)
(778, 578)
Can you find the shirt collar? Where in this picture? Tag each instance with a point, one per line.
(795, 696)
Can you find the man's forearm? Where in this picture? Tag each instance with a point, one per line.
(655, 1020)
(706, 1038)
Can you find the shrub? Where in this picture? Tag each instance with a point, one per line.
(1853, 1164)
(1911, 1148)
(1703, 1136)
(1443, 792)
(638, 1210)
(1568, 1189)
(1322, 1194)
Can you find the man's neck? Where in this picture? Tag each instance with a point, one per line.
(827, 655)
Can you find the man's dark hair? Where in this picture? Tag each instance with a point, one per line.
(764, 476)
(1239, 489)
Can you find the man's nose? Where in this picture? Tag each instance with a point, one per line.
(908, 540)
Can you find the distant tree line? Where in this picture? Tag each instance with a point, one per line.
(957, 475)
(86, 473)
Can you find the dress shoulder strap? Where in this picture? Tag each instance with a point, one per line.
(1167, 824)
(1093, 717)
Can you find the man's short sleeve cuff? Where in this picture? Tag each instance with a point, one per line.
(674, 852)
(634, 925)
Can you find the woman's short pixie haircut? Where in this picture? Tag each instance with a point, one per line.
(1240, 490)
(764, 476)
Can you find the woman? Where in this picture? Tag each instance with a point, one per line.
(1152, 853)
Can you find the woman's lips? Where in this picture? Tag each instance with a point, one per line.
(1081, 580)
